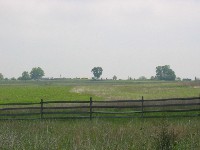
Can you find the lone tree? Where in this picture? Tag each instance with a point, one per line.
(142, 78)
(114, 77)
(25, 76)
(1, 76)
(36, 73)
(97, 72)
(165, 73)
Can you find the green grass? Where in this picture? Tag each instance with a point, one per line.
(98, 134)
(149, 91)
(31, 91)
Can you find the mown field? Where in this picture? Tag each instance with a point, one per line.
(98, 134)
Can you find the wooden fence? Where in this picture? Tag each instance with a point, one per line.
(158, 108)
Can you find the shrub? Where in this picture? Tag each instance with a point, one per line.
(165, 138)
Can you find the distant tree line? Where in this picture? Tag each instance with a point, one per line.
(35, 74)
(162, 73)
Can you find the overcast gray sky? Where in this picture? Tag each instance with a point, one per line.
(124, 37)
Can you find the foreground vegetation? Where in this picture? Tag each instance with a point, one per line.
(110, 134)
(101, 134)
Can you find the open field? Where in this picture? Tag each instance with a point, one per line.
(15, 91)
(108, 134)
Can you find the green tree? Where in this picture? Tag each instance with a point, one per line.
(1, 76)
(13, 78)
(97, 72)
(178, 79)
(153, 78)
(114, 77)
(36, 73)
(165, 73)
(25, 76)
(142, 78)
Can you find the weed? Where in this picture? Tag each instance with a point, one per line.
(165, 138)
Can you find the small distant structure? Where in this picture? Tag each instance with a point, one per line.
(84, 78)
(187, 79)
(130, 78)
(46, 78)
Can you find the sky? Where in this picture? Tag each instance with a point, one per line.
(124, 37)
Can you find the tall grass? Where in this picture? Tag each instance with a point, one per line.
(100, 134)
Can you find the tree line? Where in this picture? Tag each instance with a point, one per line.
(35, 73)
(162, 73)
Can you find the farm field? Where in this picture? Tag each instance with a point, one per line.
(116, 134)
(18, 91)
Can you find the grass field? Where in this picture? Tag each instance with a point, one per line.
(98, 134)
(16, 91)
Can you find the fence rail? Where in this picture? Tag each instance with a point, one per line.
(157, 108)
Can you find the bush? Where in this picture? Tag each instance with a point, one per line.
(165, 138)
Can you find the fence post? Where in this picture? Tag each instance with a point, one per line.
(199, 104)
(199, 96)
(142, 107)
(41, 109)
(90, 108)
